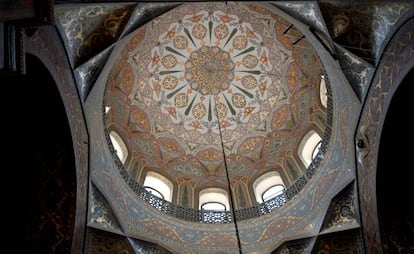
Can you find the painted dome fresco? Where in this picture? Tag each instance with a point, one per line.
(212, 93)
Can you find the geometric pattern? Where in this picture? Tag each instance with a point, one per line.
(225, 74)
(91, 28)
(325, 243)
(209, 78)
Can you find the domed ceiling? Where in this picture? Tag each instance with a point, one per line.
(212, 86)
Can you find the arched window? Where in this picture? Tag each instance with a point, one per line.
(316, 149)
(119, 146)
(268, 186)
(272, 192)
(158, 185)
(214, 199)
(322, 92)
(215, 206)
(309, 147)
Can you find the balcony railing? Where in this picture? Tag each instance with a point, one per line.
(219, 217)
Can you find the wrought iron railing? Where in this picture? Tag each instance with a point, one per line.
(220, 217)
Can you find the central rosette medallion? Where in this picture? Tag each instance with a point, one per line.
(209, 70)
